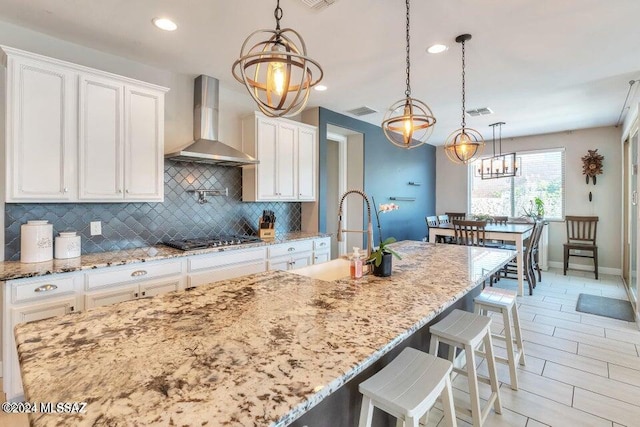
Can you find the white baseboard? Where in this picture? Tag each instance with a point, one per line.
(601, 270)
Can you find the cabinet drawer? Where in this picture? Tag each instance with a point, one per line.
(290, 248)
(30, 290)
(220, 259)
(322, 244)
(132, 273)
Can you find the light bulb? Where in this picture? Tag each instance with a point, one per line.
(277, 77)
(408, 127)
(407, 133)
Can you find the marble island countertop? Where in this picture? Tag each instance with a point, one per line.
(10, 270)
(257, 350)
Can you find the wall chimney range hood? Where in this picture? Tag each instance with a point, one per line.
(206, 148)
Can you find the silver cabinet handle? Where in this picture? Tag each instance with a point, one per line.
(291, 249)
(65, 190)
(46, 288)
(126, 191)
(71, 309)
(323, 244)
(139, 273)
(119, 191)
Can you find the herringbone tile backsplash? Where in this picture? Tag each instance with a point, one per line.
(132, 225)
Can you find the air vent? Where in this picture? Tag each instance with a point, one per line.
(362, 111)
(318, 4)
(484, 111)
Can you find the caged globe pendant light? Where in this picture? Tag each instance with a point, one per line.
(409, 122)
(465, 143)
(276, 69)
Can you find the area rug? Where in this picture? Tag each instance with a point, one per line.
(607, 307)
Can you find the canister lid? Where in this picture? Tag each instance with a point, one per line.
(37, 222)
(67, 234)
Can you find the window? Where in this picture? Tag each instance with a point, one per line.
(542, 175)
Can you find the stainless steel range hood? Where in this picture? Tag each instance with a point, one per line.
(206, 148)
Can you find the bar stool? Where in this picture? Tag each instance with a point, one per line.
(469, 331)
(407, 388)
(504, 301)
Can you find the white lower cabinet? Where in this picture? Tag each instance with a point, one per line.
(130, 292)
(287, 256)
(321, 250)
(28, 300)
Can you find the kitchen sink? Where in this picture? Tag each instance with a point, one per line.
(330, 270)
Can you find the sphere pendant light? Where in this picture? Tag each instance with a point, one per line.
(465, 143)
(276, 70)
(409, 122)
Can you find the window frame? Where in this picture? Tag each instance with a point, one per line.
(561, 150)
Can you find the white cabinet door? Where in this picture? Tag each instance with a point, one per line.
(286, 161)
(301, 260)
(281, 263)
(100, 138)
(224, 273)
(41, 131)
(112, 296)
(320, 257)
(267, 140)
(144, 144)
(152, 289)
(306, 164)
(12, 383)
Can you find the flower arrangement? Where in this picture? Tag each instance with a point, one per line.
(376, 255)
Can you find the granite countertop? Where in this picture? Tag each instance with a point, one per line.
(257, 350)
(10, 270)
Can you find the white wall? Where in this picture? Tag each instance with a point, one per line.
(451, 186)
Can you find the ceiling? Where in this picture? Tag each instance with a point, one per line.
(542, 66)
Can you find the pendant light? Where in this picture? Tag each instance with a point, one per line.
(465, 143)
(409, 122)
(500, 165)
(276, 70)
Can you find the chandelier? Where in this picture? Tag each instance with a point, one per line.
(276, 69)
(500, 165)
(409, 122)
(465, 143)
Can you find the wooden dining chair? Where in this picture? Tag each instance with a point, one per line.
(581, 235)
(469, 233)
(510, 269)
(443, 219)
(432, 221)
(456, 215)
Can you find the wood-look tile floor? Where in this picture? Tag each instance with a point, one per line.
(581, 369)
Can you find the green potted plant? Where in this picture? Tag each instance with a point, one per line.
(536, 209)
(381, 257)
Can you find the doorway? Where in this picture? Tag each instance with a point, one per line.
(345, 171)
(630, 252)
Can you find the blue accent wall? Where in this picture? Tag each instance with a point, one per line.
(387, 172)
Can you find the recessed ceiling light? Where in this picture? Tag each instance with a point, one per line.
(437, 48)
(320, 88)
(164, 24)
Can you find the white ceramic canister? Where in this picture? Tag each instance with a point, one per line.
(67, 245)
(36, 241)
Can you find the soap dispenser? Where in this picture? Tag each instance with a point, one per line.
(356, 264)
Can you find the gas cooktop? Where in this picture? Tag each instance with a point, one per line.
(211, 242)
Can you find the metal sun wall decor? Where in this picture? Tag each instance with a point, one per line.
(592, 165)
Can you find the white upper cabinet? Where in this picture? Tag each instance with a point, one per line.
(287, 153)
(76, 134)
(40, 128)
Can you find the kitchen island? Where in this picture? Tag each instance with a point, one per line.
(258, 350)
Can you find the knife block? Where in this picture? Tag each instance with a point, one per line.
(266, 230)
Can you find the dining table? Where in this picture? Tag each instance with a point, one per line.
(517, 233)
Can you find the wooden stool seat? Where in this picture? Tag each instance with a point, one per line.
(504, 301)
(407, 388)
(469, 331)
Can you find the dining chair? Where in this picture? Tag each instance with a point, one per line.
(443, 219)
(581, 236)
(432, 221)
(510, 269)
(469, 233)
(456, 215)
